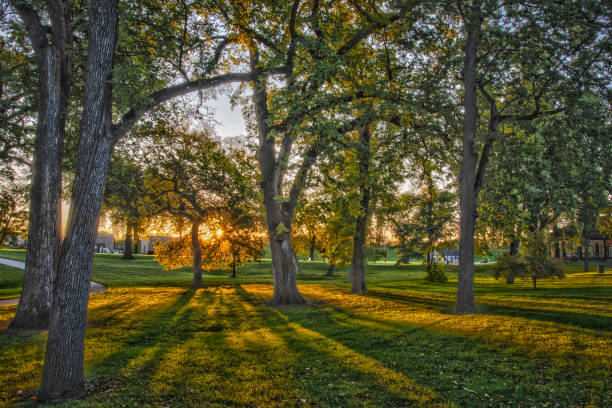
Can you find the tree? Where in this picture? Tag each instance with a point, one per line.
(123, 198)
(535, 264)
(54, 64)
(190, 176)
(232, 239)
(422, 223)
(516, 60)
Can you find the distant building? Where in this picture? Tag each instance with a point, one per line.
(599, 250)
(148, 247)
(143, 246)
(105, 243)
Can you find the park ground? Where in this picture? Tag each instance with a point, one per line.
(154, 342)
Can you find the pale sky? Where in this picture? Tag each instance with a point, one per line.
(230, 122)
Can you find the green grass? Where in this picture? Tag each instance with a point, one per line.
(152, 341)
(10, 281)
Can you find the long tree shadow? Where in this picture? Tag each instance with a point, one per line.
(468, 372)
(133, 343)
(585, 320)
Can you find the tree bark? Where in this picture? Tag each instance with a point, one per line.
(55, 72)
(63, 368)
(312, 247)
(127, 253)
(533, 278)
(278, 218)
(296, 262)
(330, 270)
(358, 281)
(197, 255)
(467, 177)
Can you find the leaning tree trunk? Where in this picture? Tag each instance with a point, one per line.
(467, 176)
(358, 281)
(330, 270)
(127, 252)
(197, 255)
(43, 244)
(63, 368)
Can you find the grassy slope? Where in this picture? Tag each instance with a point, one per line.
(151, 342)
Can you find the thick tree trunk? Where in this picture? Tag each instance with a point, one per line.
(43, 244)
(197, 255)
(127, 253)
(296, 262)
(358, 266)
(63, 368)
(467, 176)
(330, 270)
(136, 229)
(278, 218)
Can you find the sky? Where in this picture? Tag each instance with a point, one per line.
(230, 122)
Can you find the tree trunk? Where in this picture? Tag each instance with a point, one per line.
(136, 238)
(514, 246)
(55, 71)
(233, 266)
(533, 278)
(197, 255)
(63, 368)
(127, 253)
(5, 229)
(467, 176)
(278, 219)
(296, 262)
(358, 281)
(312, 247)
(585, 245)
(330, 270)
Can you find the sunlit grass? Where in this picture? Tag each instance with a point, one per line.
(166, 345)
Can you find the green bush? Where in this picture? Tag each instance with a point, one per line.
(435, 273)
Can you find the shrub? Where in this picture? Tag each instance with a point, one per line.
(435, 273)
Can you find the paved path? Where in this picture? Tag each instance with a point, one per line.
(94, 287)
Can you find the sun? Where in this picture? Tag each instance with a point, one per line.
(219, 232)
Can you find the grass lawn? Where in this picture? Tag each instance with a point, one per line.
(152, 341)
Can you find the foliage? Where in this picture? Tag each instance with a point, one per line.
(232, 239)
(435, 272)
(509, 266)
(535, 263)
(516, 355)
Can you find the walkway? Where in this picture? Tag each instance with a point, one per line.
(94, 287)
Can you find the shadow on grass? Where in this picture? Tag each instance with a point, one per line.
(333, 375)
(150, 334)
(468, 372)
(584, 320)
